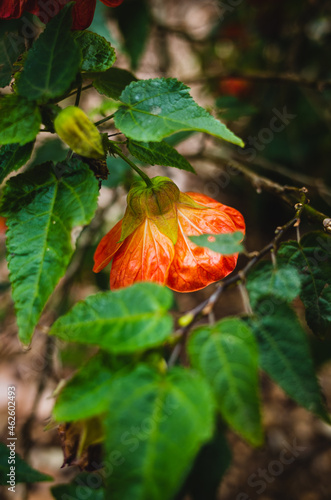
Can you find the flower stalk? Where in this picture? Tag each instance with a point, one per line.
(117, 150)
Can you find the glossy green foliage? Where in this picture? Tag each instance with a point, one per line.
(42, 206)
(226, 354)
(156, 422)
(154, 109)
(97, 53)
(125, 321)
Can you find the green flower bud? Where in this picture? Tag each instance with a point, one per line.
(157, 203)
(76, 129)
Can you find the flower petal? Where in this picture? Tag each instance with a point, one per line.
(195, 267)
(145, 255)
(235, 216)
(107, 247)
(10, 9)
(83, 13)
(112, 3)
(216, 218)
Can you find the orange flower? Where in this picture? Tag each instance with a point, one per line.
(151, 242)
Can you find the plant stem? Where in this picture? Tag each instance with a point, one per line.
(207, 305)
(79, 91)
(133, 165)
(69, 154)
(104, 119)
(74, 92)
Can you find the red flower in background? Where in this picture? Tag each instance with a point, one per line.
(236, 87)
(151, 242)
(83, 10)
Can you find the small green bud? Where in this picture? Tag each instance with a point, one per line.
(185, 320)
(76, 129)
(157, 203)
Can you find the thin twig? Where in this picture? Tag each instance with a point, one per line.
(79, 91)
(104, 120)
(289, 194)
(303, 179)
(205, 307)
(75, 92)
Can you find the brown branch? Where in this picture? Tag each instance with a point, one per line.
(303, 179)
(206, 307)
(290, 194)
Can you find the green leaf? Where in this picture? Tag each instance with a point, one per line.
(226, 354)
(157, 423)
(154, 109)
(70, 492)
(282, 282)
(52, 62)
(50, 149)
(20, 120)
(125, 321)
(11, 47)
(86, 394)
(159, 153)
(285, 356)
(85, 486)
(13, 157)
(112, 82)
(23, 472)
(324, 303)
(42, 208)
(226, 244)
(102, 28)
(175, 139)
(98, 54)
(312, 258)
(134, 23)
(209, 468)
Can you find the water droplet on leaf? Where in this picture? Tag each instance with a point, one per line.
(155, 110)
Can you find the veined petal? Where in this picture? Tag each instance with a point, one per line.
(235, 216)
(196, 267)
(145, 255)
(107, 247)
(214, 219)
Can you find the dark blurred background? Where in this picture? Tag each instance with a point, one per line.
(263, 67)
